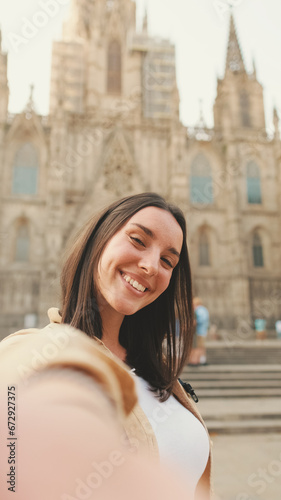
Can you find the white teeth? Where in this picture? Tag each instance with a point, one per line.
(134, 283)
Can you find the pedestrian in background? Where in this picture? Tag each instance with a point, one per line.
(260, 327)
(201, 320)
(278, 328)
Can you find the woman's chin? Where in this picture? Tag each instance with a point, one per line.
(128, 309)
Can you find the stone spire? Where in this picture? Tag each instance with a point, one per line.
(254, 69)
(30, 103)
(145, 22)
(4, 88)
(201, 122)
(276, 124)
(30, 108)
(234, 59)
(81, 20)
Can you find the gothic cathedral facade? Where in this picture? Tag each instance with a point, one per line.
(114, 129)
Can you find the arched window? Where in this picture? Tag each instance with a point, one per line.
(258, 259)
(245, 109)
(114, 68)
(253, 183)
(204, 249)
(201, 184)
(25, 170)
(22, 243)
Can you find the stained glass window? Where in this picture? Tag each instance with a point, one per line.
(201, 183)
(204, 249)
(22, 244)
(25, 170)
(257, 251)
(245, 109)
(253, 183)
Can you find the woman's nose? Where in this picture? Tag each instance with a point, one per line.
(149, 264)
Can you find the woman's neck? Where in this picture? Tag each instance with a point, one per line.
(115, 348)
(111, 324)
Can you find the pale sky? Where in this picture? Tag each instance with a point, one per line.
(198, 28)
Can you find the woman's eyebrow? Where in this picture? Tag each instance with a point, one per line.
(145, 230)
(174, 251)
(149, 233)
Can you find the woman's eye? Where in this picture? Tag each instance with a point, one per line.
(167, 262)
(137, 240)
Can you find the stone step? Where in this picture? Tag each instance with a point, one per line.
(253, 352)
(231, 336)
(233, 373)
(233, 381)
(243, 344)
(244, 361)
(241, 415)
(237, 393)
(243, 376)
(262, 367)
(254, 426)
(231, 384)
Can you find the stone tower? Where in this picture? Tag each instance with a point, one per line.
(251, 174)
(4, 89)
(92, 67)
(239, 102)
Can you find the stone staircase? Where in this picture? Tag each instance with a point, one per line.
(260, 352)
(239, 397)
(234, 381)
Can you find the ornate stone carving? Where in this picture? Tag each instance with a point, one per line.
(118, 167)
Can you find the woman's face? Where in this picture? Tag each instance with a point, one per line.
(137, 263)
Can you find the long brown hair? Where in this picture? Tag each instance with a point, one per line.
(157, 338)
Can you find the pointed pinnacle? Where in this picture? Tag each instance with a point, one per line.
(234, 58)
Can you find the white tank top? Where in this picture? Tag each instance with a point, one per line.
(182, 440)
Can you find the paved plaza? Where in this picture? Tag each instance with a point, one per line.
(247, 467)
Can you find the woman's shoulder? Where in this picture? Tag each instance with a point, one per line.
(25, 353)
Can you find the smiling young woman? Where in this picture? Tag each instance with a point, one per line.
(126, 281)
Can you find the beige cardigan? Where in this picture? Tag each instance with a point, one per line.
(27, 351)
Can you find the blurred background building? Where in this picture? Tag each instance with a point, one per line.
(113, 129)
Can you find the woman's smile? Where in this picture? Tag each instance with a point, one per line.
(133, 283)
